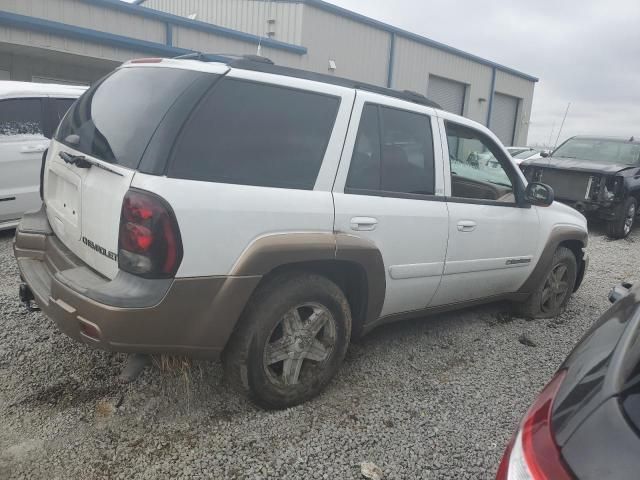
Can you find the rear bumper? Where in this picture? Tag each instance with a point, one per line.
(187, 316)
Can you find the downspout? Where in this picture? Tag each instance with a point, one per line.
(169, 34)
(392, 53)
(493, 90)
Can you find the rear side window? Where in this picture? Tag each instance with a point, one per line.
(115, 119)
(20, 116)
(393, 153)
(256, 134)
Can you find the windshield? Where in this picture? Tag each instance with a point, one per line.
(600, 150)
(115, 119)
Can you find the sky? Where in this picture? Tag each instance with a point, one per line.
(586, 52)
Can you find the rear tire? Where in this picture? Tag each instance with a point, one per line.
(552, 295)
(621, 226)
(290, 341)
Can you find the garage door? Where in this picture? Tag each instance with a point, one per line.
(503, 117)
(448, 93)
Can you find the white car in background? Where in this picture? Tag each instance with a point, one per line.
(520, 154)
(29, 115)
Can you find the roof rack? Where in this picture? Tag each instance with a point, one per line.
(265, 65)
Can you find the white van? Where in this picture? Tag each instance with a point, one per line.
(29, 114)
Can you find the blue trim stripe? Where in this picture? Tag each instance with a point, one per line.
(343, 12)
(86, 34)
(392, 56)
(169, 34)
(491, 95)
(146, 12)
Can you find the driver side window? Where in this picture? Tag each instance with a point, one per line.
(476, 171)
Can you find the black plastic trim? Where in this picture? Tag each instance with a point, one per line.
(155, 159)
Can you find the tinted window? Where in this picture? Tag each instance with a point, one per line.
(21, 116)
(60, 106)
(256, 134)
(393, 152)
(477, 166)
(115, 119)
(364, 172)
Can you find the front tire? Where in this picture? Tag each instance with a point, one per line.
(621, 226)
(551, 297)
(290, 342)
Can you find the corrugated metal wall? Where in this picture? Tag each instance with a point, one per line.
(77, 12)
(359, 48)
(248, 16)
(414, 62)
(523, 89)
(360, 51)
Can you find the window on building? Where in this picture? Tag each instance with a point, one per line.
(393, 153)
(21, 116)
(256, 134)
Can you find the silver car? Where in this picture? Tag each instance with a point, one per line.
(29, 114)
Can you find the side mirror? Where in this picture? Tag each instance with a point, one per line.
(544, 154)
(539, 194)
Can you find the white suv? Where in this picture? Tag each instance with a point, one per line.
(231, 208)
(29, 114)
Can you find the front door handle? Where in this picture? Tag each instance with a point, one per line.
(467, 226)
(363, 223)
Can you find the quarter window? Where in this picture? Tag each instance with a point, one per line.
(393, 153)
(21, 116)
(477, 166)
(256, 134)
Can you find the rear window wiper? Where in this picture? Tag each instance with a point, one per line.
(81, 161)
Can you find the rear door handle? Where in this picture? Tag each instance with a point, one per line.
(467, 226)
(363, 223)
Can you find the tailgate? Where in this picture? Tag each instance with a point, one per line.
(98, 148)
(83, 206)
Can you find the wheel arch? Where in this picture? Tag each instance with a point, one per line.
(570, 236)
(353, 263)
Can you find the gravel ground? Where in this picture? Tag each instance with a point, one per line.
(435, 398)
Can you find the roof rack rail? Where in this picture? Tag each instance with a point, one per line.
(265, 65)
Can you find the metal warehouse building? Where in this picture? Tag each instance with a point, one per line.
(78, 41)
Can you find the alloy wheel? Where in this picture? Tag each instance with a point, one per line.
(300, 345)
(629, 218)
(555, 289)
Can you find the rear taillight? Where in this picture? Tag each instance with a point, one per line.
(533, 453)
(149, 243)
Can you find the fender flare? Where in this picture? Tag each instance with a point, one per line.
(558, 235)
(280, 249)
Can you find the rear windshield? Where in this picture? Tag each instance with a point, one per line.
(115, 119)
(256, 134)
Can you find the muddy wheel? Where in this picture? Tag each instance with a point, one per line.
(552, 295)
(622, 225)
(290, 342)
